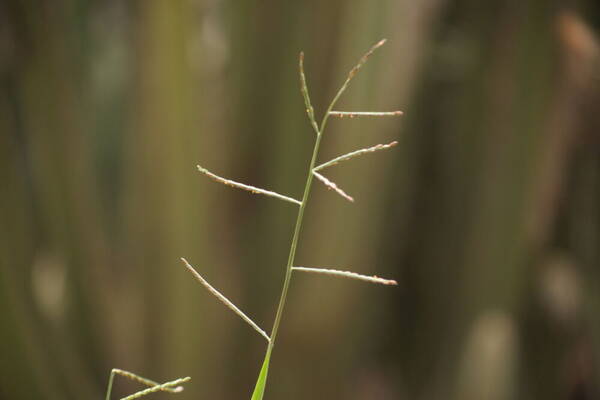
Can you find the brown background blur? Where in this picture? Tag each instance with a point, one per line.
(487, 213)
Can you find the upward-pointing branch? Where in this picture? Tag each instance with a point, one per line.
(355, 153)
(304, 89)
(351, 75)
(247, 187)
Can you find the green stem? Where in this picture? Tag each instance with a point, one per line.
(262, 378)
(294, 245)
(110, 384)
(260, 385)
(298, 228)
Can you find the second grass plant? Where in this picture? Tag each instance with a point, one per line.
(319, 129)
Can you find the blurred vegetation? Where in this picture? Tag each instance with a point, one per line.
(487, 213)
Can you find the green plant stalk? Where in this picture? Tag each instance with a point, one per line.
(319, 129)
(110, 384)
(292, 255)
(294, 245)
(297, 230)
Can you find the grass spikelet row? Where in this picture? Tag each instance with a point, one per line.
(157, 388)
(249, 188)
(144, 381)
(347, 274)
(355, 153)
(225, 300)
(352, 114)
(171, 387)
(330, 185)
(304, 90)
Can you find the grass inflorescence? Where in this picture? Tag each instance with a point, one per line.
(314, 171)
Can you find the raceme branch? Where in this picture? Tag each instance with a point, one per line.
(225, 300)
(355, 154)
(331, 185)
(347, 274)
(158, 388)
(172, 387)
(352, 114)
(249, 188)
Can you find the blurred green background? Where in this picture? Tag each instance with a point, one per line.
(487, 213)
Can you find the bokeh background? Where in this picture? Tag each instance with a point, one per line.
(487, 212)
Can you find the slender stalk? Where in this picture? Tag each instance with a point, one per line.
(294, 245)
(319, 129)
(307, 187)
(249, 188)
(225, 300)
(298, 228)
(110, 384)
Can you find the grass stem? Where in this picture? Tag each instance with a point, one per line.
(260, 385)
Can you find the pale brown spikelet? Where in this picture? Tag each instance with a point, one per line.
(347, 274)
(249, 188)
(331, 185)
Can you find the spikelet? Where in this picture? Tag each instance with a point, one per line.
(347, 274)
(364, 59)
(352, 114)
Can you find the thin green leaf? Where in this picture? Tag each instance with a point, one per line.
(259, 389)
